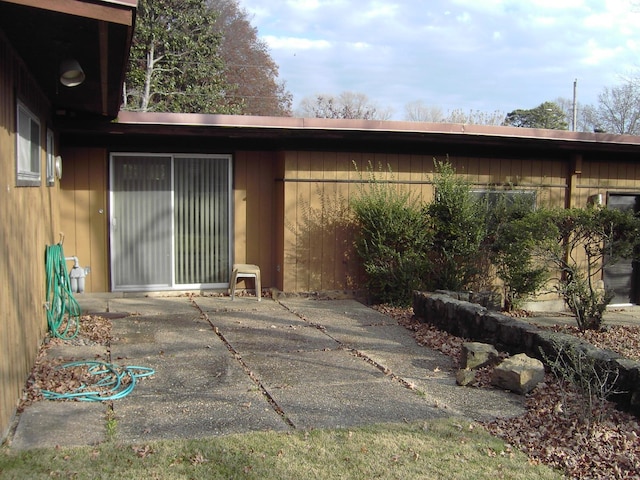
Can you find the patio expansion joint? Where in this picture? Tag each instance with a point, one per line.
(236, 355)
(357, 353)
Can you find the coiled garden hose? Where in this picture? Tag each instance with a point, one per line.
(116, 382)
(63, 311)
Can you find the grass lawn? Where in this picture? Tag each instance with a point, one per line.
(428, 450)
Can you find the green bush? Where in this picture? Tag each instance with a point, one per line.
(582, 243)
(392, 241)
(406, 245)
(516, 233)
(457, 220)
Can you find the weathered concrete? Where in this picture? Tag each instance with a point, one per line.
(225, 367)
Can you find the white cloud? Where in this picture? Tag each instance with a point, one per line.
(359, 45)
(296, 43)
(383, 10)
(464, 17)
(304, 4)
(596, 55)
(487, 55)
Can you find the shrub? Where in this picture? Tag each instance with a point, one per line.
(595, 381)
(582, 243)
(457, 219)
(513, 250)
(392, 241)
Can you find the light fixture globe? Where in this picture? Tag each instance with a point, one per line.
(71, 73)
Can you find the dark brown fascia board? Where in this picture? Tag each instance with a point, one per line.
(119, 12)
(191, 122)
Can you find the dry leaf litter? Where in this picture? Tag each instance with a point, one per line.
(47, 374)
(555, 429)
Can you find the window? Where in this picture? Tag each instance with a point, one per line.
(27, 147)
(507, 198)
(51, 158)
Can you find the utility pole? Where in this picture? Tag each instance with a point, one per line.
(575, 105)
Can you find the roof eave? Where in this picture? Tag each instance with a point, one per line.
(370, 126)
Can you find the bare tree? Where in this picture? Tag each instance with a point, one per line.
(618, 109)
(346, 105)
(418, 111)
(475, 117)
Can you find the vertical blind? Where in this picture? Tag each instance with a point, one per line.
(201, 189)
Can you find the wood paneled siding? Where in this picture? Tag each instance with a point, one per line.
(255, 209)
(318, 186)
(84, 212)
(600, 175)
(29, 222)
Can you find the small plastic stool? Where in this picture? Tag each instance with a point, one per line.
(244, 270)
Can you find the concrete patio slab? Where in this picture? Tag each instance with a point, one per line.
(49, 424)
(226, 367)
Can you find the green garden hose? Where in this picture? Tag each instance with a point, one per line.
(63, 311)
(116, 382)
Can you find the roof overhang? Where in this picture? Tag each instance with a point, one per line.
(96, 33)
(288, 133)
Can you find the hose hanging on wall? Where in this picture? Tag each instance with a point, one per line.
(63, 311)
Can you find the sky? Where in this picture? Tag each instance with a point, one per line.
(474, 55)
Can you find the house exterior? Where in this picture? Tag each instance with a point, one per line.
(168, 202)
(280, 188)
(36, 37)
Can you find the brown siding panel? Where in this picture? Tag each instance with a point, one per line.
(30, 221)
(254, 215)
(85, 217)
(318, 186)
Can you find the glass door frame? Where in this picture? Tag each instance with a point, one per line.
(230, 222)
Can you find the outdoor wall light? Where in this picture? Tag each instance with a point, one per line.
(71, 73)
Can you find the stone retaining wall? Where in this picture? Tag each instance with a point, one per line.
(475, 323)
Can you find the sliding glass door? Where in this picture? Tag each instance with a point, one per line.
(170, 221)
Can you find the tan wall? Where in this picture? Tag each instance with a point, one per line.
(602, 176)
(84, 212)
(317, 240)
(255, 200)
(30, 221)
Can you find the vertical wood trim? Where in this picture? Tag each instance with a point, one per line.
(304, 217)
(264, 206)
(327, 224)
(253, 199)
(291, 227)
(573, 177)
(312, 218)
(279, 227)
(98, 279)
(240, 208)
